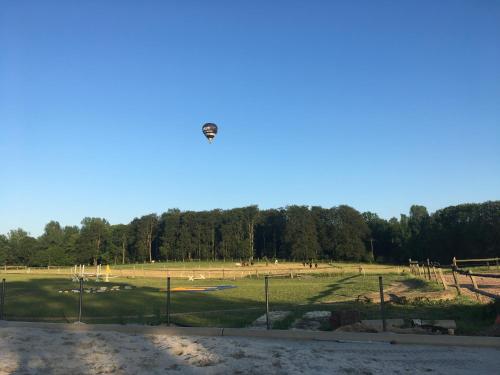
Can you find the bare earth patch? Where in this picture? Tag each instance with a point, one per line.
(404, 291)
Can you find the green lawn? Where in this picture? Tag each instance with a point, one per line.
(37, 298)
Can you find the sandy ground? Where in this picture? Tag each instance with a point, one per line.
(227, 271)
(41, 351)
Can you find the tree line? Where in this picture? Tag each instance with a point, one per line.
(295, 233)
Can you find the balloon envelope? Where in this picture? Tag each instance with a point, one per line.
(210, 131)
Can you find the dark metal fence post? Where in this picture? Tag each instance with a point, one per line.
(80, 301)
(382, 310)
(168, 301)
(429, 269)
(2, 301)
(266, 282)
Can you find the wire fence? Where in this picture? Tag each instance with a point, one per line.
(160, 295)
(84, 299)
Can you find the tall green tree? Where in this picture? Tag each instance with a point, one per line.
(51, 249)
(269, 234)
(94, 240)
(300, 233)
(4, 249)
(296, 232)
(21, 247)
(168, 232)
(144, 237)
(119, 242)
(351, 234)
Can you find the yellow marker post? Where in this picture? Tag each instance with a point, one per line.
(108, 271)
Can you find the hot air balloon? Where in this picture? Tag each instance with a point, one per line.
(210, 131)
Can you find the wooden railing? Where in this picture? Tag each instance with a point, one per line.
(428, 270)
(457, 270)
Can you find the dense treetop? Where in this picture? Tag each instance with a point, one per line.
(294, 232)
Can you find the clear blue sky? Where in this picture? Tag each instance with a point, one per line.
(374, 104)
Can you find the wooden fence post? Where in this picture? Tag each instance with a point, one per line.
(474, 285)
(435, 273)
(473, 279)
(457, 284)
(442, 278)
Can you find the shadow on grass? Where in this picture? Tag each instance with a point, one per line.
(45, 300)
(336, 286)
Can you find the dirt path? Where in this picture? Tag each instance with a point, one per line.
(40, 351)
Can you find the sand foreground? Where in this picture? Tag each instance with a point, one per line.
(42, 351)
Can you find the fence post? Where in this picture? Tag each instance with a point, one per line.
(2, 301)
(429, 269)
(472, 278)
(496, 261)
(435, 273)
(382, 310)
(80, 303)
(474, 284)
(440, 271)
(419, 271)
(456, 281)
(266, 283)
(168, 301)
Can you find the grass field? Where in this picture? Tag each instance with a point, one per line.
(37, 297)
